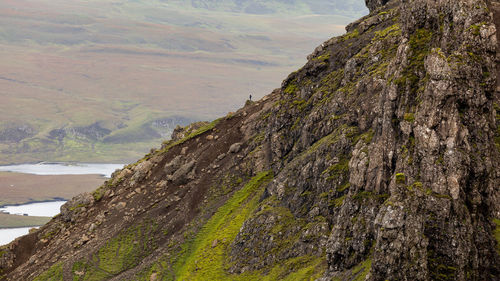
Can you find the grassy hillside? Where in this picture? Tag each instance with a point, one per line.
(107, 80)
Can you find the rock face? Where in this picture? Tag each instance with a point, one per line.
(374, 4)
(378, 160)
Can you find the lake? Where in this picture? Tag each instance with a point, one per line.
(8, 235)
(51, 208)
(63, 169)
(42, 209)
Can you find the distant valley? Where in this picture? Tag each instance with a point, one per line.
(104, 81)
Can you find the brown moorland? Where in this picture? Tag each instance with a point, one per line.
(104, 81)
(17, 188)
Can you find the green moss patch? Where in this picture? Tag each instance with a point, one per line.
(193, 134)
(400, 178)
(291, 88)
(358, 273)
(391, 31)
(351, 35)
(204, 262)
(336, 171)
(124, 251)
(420, 47)
(205, 255)
(409, 117)
(54, 273)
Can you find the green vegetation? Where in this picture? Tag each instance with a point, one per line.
(475, 28)
(439, 268)
(54, 273)
(193, 134)
(339, 170)
(291, 88)
(361, 270)
(385, 37)
(419, 48)
(99, 192)
(120, 253)
(204, 255)
(391, 31)
(351, 35)
(409, 117)
(367, 137)
(400, 178)
(201, 261)
(300, 268)
(358, 273)
(337, 202)
(324, 57)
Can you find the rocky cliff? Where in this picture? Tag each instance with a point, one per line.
(378, 160)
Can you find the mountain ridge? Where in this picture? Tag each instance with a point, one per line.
(377, 160)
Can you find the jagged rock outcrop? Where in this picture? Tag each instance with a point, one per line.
(15, 133)
(374, 4)
(378, 160)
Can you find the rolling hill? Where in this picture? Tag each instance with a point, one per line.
(104, 81)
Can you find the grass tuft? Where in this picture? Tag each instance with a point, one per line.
(54, 273)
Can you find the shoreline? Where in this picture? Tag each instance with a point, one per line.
(55, 199)
(26, 226)
(12, 221)
(104, 170)
(54, 163)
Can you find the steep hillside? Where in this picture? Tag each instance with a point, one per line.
(377, 160)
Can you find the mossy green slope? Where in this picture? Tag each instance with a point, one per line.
(54, 273)
(205, 259)
(123, 252)
(206, 255)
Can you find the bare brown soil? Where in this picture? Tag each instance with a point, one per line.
(17, 188)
